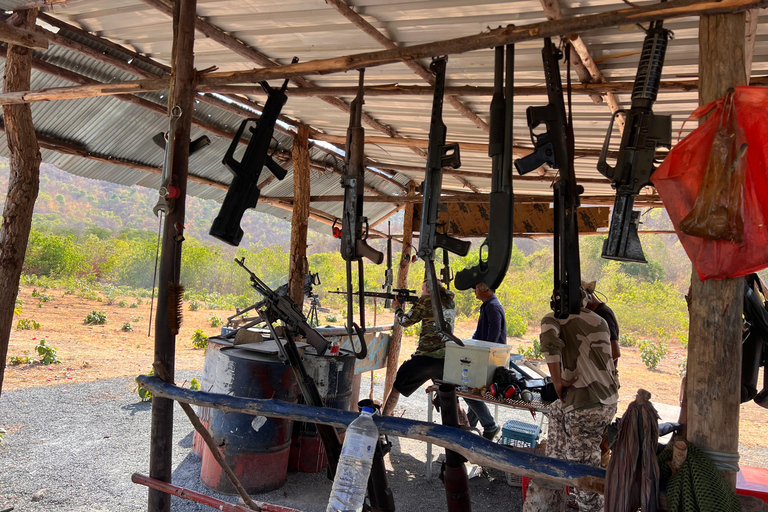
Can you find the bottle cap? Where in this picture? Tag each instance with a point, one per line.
(368, 410)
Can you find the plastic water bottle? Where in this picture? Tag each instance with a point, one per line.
(351, 481)
(465, 380)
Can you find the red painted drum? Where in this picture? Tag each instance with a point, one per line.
(334, 377)
(209, 372)
(255, 447)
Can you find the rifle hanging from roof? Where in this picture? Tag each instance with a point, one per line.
(492, 267)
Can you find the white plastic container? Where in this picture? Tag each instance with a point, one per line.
(351, 480)
(479, 358)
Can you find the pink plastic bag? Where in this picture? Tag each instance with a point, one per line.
(679, 178)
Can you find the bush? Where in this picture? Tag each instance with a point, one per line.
(122, 304)
(215, 321)
(17, 307)
(194, 305)
(17, 360)
(532, 352)
(144, 395)
(628, 340)
(96, 317)
(127, 327)
(516, 325)
(48, 353)
(682, 368)
(414, 330)
(133, 305)
(199, 339)
(331, 319)
(25, 324)
(194, 384)
(652, 353)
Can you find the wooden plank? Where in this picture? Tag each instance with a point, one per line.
(469, 220)
(475, 448)
(490, 39)
(297, 264)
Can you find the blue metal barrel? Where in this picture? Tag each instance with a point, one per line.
(257, 448)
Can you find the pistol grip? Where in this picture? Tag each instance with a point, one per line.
(543, 154)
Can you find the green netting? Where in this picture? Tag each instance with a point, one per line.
(697, 486)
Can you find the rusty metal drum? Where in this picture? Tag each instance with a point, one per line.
(257, 448)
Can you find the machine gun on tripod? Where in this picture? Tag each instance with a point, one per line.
(498, 243)
(354, 225)
(554, 147)
(244, 190)
(644, 133)
(439, 155)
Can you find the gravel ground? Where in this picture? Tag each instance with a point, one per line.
(74, 447)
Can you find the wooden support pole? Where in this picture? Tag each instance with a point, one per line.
(297, 267)
(393, 353)
(168, 299)
(23, 184)
(24, 36)
(714, 347)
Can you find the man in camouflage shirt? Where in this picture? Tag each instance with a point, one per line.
(428, 360)
(577, 350)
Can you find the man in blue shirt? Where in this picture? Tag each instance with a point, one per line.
(491, 326)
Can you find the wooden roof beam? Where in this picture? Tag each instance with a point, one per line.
(18, 36)
(496, 37)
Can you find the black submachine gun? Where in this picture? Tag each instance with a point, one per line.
(354, 226)
(498, 243)
(439, 155)
(644, 132)
(554, 147)
(244, 190)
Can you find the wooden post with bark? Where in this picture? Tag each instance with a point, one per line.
(393, 353)
(23, 184)
(297, 267)
(714, 347)
(169, 293)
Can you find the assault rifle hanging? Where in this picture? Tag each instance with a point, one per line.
(389, 278)
(554, 147)
(439, 155)
(354, 226)
(446, 273)
(498, 243)
(244, 190)
(644, 132)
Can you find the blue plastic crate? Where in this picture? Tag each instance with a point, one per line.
(519, 433)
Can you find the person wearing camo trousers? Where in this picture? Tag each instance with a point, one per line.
(428, 360)
(577, 351)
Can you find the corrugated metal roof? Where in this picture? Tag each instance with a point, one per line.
(311, 29)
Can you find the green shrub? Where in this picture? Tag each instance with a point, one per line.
(137, 319)
(628, 340)
(49, 354)
(144, 395)
(194, 384)
(652, 353)
(96, 317)
(215, 321)
(17, 307)
(682, 367)
(199, 339)
(122, 304)
(194, 305)
(516, 325)
(414, 330)
(17, 360)
(331, 319)
(25, 324)
(127, 327)
(89, 294)
(532, 352)
(133, 305)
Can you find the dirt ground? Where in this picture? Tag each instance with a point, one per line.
(91, 352)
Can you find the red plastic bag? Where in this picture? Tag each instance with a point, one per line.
(679, 178)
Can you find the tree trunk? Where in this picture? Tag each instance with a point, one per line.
(297, 267)
(393, 353)
(714, 350)
(23, 184)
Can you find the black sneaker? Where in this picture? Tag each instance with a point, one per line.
(490, 434)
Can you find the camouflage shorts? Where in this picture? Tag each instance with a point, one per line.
(574, 436)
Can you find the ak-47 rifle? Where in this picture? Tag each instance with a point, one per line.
(389, 277)
(402, 295)
(498, 243)
(554, 147)
(644, 132)
(354, 226)
(439, 155)
(244, 190)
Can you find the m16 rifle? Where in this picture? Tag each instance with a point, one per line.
(244, 190)
(402, 295)
(644, 133)
(389, 278)
(439, 155)
(354, 226)
(498, 243)
(554, 147)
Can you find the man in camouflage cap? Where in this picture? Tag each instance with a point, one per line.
(577, 351)
(428, 360)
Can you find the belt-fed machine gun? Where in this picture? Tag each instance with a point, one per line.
(644, 133)
(554, 147)
(244, 190)
(439, 155)
(354, 225)
(498, 243)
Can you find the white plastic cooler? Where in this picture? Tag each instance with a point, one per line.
(480, 358)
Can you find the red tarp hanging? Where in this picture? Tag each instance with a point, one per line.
(680, 176)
